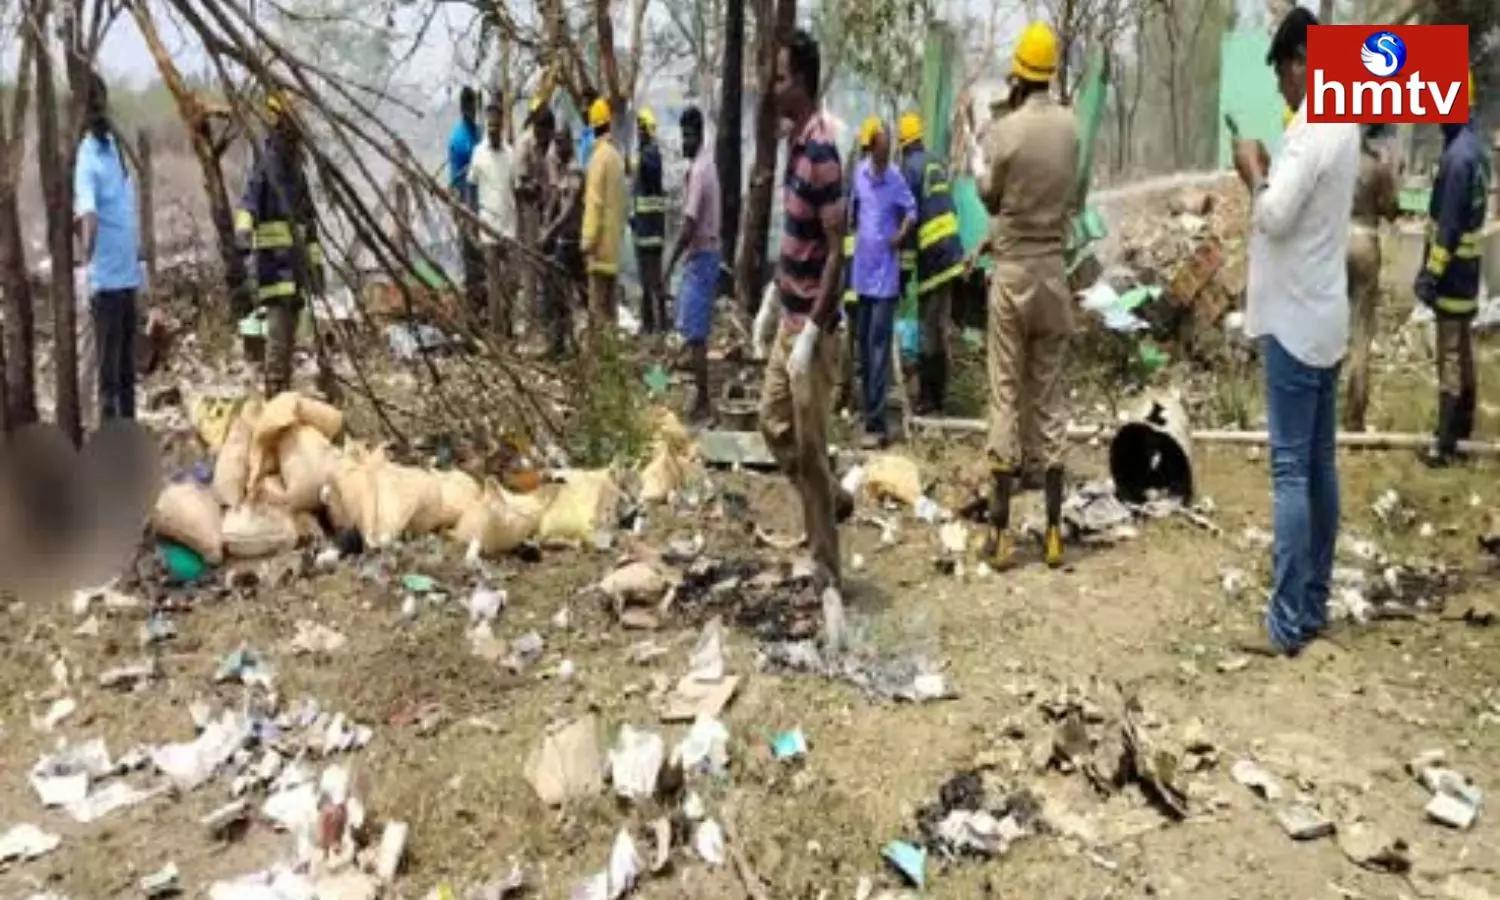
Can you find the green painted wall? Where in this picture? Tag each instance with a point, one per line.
(1247, 91)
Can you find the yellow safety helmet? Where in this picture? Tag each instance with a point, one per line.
(647, 121)
(278, 104)
(599, 113)
(1036, 53)
(909, 128)
(1287, 115)
(867, 131)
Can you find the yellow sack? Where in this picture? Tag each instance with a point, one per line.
(396, 495)
(306, 462)
(232, 466)
(500, 522)
(894, 476)
(322, 416)
(211, 417)
(457, 493)
(189, 514)
(253, 530)
(587, 502)
(428, 486)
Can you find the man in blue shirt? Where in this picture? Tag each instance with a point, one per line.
(466, 136)
(885, 212)
(104, 215)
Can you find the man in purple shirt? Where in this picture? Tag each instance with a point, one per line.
(885, 212)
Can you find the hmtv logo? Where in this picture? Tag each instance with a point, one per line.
(1388, 74)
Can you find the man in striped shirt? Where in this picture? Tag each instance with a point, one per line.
(803, 366)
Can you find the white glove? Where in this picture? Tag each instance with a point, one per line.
(764, 330)
(799, 361)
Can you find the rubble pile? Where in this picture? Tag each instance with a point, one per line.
(1176, 272)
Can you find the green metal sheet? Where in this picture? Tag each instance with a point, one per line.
(1247, 91)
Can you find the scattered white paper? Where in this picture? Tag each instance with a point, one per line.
(708, 841)
(26, 842)
(636, 762)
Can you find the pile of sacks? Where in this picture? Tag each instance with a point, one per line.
(277, 468)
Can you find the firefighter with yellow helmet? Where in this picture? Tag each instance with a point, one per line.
(277, 223)
(933, 257)
(603, 218)
(1030, 189)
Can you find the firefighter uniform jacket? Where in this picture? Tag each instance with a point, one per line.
(1455, 224)
(934, 250)
(275, 214)
(648, 219)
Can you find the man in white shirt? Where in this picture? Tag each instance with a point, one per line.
(1298, 308)
(491, 171)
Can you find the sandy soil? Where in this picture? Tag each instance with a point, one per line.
(1148, 615)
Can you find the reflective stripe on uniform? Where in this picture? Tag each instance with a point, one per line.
(273, 236)
(645, 205)
(848, 246)
(315, 254)
(936, 229)
(1470, 243)
(908, 259)
(1457, 306)
(1437, 261)
(646, 243)
(941, 278)
(276, 290)
(243, 221)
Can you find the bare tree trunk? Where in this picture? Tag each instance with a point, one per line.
(57, 187)
(731, 128)
(20, 316)
(148, 209)
(197, 121)
(773, 29)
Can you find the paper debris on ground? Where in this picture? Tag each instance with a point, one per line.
(63, 778)
(1257, 779)
(708, 841)
(567, 764)
(635, 763)
(706, 689)
(192, 763)
(618, 877)
(705, 748)
(26, 842)
(59, 710)
(314, 637)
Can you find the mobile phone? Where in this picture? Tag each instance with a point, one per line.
(1232, 125)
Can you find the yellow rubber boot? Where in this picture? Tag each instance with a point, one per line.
(1052, 548)
(999, 550)
(1052, 543)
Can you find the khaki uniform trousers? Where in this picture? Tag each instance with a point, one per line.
(1030, 321)
(1364, 298)
(794, 422)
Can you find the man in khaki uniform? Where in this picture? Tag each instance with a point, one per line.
(1030, 189)
(1375, 198)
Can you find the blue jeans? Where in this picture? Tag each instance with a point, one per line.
(875, 320)
(1304, 474)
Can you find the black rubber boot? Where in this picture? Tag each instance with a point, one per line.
(1464, 427)
(999, 545)
(1052, 486)
(1442, 453)
(923, 406)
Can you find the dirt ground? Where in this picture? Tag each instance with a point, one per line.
(1148, 615)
